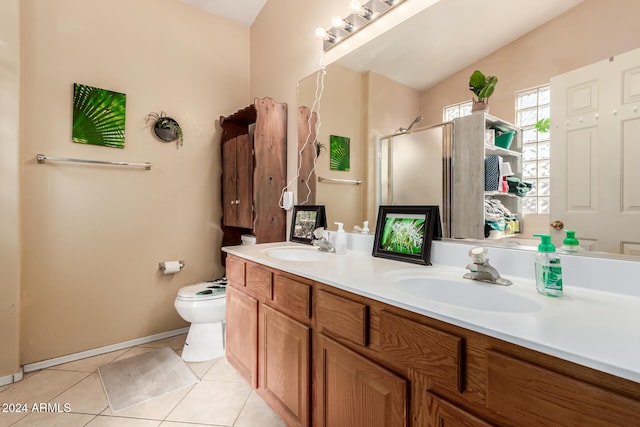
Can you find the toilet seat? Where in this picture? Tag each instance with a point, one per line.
(190, 292)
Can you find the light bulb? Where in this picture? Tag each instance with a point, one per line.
(355, 6)
(321, 33)
(337, 22)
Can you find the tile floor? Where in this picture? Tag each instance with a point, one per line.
(221, 398)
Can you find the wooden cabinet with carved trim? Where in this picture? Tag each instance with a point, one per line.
(254, 167)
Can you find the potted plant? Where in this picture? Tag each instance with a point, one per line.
(482, 86)
(166, 128)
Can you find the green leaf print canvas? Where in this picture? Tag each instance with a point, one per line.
(339, 153)
(98, 116)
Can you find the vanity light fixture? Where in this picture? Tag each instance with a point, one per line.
(338, 22)
(361, 16)
(361, 10)
(325, 35)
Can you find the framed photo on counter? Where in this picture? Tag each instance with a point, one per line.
(305, 219)
(405, 233)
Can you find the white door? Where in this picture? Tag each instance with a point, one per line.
(595, 152)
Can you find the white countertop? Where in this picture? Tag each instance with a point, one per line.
(590, 327)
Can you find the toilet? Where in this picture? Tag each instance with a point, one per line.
(203, 305)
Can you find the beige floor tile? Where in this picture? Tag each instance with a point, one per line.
(42, 387)
(175, 342)
(133, 351)
(201, 368)
(85, 397)
(54, 420)
(4, 387)
(212, 402)
(103, 421)
(175, 424)
(223, 371)
(90, 364)
(257, 413)
(155, 409)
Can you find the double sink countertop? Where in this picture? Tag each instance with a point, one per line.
(587, 326)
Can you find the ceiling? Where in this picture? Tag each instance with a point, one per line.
(241, 11)
(449, 36)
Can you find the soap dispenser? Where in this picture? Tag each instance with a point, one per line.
(570, 244)
(341, 239)
(548, 269)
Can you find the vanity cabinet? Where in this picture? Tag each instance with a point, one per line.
(326, 357)
(269, 336)
(468, 152)
(354, 391)
(254, 167)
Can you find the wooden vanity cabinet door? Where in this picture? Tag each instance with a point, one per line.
(356, 392)
(529, 395)
(242, 334)
(237, 182)
(284, 354)
(445, 414)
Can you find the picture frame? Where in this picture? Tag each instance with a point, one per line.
(404, 233)
(304, 220)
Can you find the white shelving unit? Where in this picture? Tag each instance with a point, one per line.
(467, 154)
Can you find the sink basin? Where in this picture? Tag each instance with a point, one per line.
(297, 254)
(451, 288)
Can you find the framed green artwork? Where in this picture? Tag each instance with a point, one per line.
(404, 233)
(339, 153)
(98, 116)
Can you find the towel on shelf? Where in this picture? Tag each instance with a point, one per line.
(491, 173)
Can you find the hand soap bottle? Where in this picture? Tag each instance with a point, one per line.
(548, 269)
(570, 244)
(341, 239)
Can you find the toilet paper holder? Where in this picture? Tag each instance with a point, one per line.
(163, 266)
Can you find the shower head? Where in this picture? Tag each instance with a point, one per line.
(407, 129)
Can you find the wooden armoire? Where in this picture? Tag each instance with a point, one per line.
(254, 172)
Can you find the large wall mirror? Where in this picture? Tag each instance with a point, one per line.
(422, 65)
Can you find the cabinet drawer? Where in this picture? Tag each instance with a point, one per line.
(292, 297)
(342, 318)
(436, 354)
(258, 280)
(235, 271)
(533, 395)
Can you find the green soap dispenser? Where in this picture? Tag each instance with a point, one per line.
(570, 244)
(548, 269)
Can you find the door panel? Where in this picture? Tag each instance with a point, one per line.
(595, 154)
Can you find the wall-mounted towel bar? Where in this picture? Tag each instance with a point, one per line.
(340, 181)
(41, 158)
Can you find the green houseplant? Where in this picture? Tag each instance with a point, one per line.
(482, 86)
(165, 128)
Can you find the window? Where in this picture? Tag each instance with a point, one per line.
(457, 110)
(533, 105)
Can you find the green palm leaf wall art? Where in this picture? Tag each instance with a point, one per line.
(98, 116)
(339, 153)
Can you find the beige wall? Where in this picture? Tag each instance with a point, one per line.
(92, 235)
(592, 31)
(9, 187)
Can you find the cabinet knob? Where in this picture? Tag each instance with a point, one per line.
(237, 202)
(233, 202)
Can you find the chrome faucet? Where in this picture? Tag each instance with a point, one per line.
(481, 270)
(321, 242)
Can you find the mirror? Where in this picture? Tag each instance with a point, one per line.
(384, 85)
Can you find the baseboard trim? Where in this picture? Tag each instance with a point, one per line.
(97, 351)
(10, 379)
